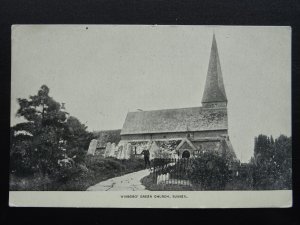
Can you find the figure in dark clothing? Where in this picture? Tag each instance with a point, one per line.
(146, 154)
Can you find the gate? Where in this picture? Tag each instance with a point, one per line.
(172, 171)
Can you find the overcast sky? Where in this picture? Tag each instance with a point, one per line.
(102, 72)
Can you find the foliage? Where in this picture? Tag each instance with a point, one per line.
(77, 138)
(93, 170)
(272, 163)
(240, 178)
(159, 162)
(96, 169)
(47, 137)
(211, 171)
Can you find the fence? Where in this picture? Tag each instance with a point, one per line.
(211, 175)
(171, 171)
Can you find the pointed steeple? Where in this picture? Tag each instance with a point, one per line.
(214, 91)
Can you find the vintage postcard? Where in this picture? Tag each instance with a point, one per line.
(151, 116)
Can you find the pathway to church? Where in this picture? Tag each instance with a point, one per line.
(128, 182)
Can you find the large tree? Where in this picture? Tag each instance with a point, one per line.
(47, 136)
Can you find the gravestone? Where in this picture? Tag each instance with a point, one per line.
(107, 149)
(124, 150)
(113, 150)
(92, 147)
(128, 151)
(153, 150)
(119, 152)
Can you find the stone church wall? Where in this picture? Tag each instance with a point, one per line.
(133, 147)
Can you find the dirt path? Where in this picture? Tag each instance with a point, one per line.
(128, 182)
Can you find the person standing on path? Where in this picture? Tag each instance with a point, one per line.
(146, 154)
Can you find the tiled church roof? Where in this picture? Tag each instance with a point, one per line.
(175, 120)
(214, 87)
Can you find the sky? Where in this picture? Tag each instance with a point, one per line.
(101, 72)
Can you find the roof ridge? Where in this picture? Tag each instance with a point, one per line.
(196, 107)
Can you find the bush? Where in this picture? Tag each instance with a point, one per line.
(210, 171)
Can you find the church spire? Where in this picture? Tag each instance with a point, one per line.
(214, 92)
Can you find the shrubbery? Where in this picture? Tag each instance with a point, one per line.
(79, 177)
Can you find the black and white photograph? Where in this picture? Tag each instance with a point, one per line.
(151, 112)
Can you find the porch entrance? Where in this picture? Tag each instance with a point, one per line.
(186, 154)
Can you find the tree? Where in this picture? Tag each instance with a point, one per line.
(77, 139)
(283, 162)
(39, 140)
(47, 136)
(272, 163)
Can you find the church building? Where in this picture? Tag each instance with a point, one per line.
(196, 129)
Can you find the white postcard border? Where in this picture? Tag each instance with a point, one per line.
(158, 199)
